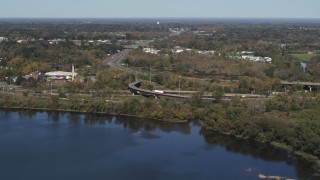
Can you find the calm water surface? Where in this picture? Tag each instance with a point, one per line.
(52, 146)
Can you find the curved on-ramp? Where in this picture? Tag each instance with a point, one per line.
(135, 88)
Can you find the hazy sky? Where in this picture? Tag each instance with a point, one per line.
(161, 8)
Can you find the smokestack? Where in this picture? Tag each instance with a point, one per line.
(72, 78)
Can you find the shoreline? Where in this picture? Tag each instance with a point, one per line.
(86, 112)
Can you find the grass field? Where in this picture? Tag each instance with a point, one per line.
(304, 57)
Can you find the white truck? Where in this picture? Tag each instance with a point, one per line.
(158, 91)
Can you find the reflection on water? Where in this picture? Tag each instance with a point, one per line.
(255, 149)
(121, 146)
(134, 124)
(266, 152)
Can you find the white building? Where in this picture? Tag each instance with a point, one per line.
(268, 59)
(56, 41)
(246, 52)
(206, 52)
(3, 39)
(178, 49)
(256, 58)
(151, 50)
(60, 74)
(20, 41)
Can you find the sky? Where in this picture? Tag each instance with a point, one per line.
(159, 8)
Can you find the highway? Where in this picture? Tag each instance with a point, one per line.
(114, 60)
(135, 88)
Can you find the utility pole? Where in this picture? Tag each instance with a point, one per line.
(179, 85)
(136, 75)
(150, 73)
(72, 78)
(14, 93)
(129, 79)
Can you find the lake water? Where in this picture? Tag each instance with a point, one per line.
(58, 146)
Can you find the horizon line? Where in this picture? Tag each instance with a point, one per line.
(160, 18)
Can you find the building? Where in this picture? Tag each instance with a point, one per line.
(256, 58)
(151, 50)
(178, 49)
(250, 58)
(268, 59)
(22, 41)
(132, 46)
(3, 39)
(60, 77)
(206, 52)
(245, 52)
(38, 76)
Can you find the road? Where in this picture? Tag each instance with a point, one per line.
(11, 88)
(135, 88)
(114, 60)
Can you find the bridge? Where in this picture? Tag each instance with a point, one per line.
(135, 89)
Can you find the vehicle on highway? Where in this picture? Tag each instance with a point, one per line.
(159, 91)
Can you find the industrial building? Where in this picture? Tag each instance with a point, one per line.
(60, 77)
